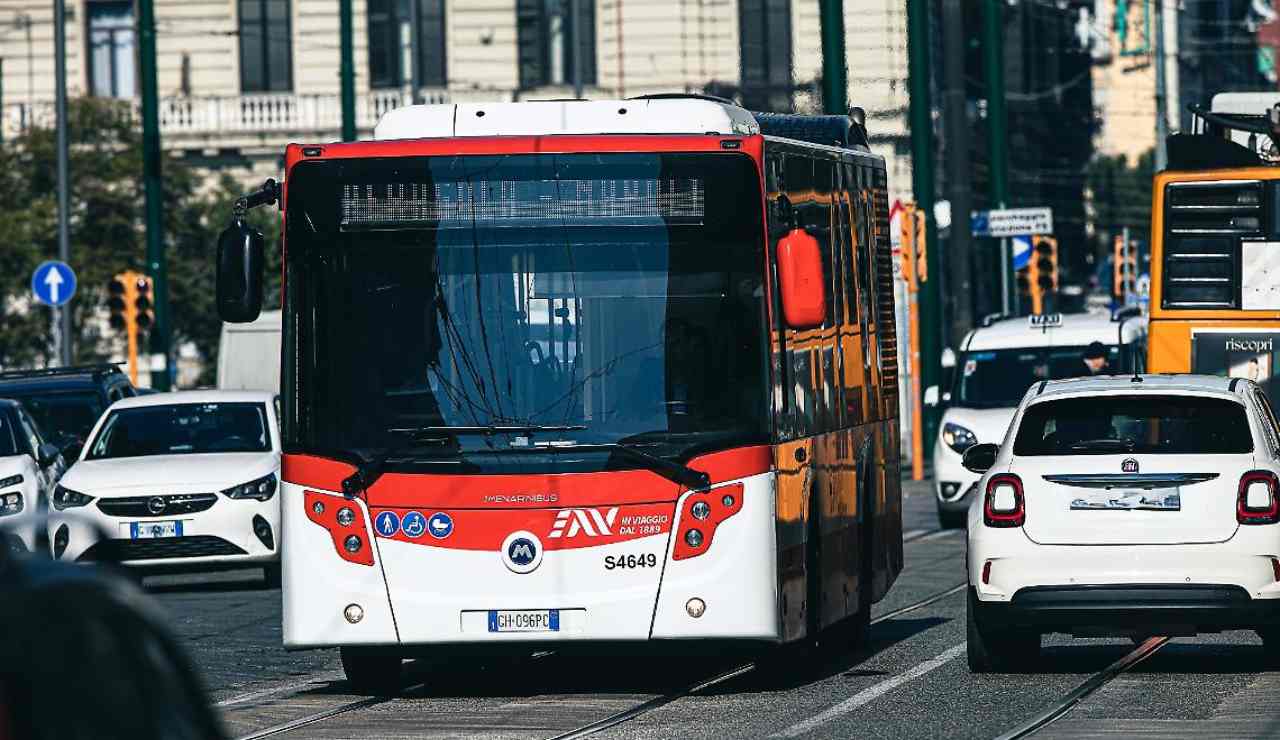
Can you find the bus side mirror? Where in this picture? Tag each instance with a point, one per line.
(240, 258)
(802, 286)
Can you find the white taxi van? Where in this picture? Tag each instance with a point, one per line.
(996, 364)
(1125, 506)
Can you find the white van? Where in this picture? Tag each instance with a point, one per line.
(996, 364)
(249, 355)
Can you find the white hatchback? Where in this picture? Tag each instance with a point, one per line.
(176, 480)
(1125, 506)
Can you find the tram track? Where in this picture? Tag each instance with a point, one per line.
(593, 727)
(1063, 706)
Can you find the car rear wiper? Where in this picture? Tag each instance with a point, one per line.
(1096, 444)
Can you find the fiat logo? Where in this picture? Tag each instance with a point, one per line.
(156, 504)
(1129, 465)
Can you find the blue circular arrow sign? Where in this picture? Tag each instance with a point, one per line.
(53, 283)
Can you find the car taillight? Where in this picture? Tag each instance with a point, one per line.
(1258, 500)
(1003, 506)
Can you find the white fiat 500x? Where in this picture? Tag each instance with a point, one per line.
(1125, 506)
(176, 480)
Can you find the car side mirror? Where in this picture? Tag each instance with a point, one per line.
(931, 396)
(980, 458)
(802, 285)
(239, 272)
(48, 454)
(948, 358)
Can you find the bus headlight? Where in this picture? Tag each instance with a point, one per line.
(957, 437)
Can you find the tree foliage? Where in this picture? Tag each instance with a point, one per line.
(107, 235)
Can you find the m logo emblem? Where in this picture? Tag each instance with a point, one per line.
(522, 552)
(1129, 465)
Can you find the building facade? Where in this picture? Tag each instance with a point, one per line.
(238, 79)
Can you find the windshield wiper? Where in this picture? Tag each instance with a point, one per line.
(694, 480)
(434, 432)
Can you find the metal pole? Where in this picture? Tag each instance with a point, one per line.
(576, 51)
(64, 212)
(158, 338)
(997, 125)
(955, 109)
(1162, 115)
(921, 115)
(835, 85)
(415, 50)
(347, 71)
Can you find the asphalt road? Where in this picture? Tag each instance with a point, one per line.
(910, 682)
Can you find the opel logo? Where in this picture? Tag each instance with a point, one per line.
(522, 552)
(156, 504)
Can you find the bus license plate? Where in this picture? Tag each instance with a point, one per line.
(524, 620)
(152, 530)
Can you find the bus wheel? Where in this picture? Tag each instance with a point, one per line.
(373, 673)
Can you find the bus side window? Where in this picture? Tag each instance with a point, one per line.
(826, 231)
(1269, 421)
(802, 347)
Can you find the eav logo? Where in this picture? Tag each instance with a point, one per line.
(587, 521)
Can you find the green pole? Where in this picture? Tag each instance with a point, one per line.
(997, 131)
(922, 185)
(347, 71)
(153, 194)
(835, 85)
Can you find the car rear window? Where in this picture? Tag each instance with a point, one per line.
(1149, 424)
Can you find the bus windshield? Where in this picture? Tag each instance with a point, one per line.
(999, 378)
(615, 297)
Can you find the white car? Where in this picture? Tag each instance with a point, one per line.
(176, 480)
(29, 469)
(1125, 506)
(996, 364)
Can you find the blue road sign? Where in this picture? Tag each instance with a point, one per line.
(53, 283)
(1021, 251)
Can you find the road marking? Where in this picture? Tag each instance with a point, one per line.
(869, 695)
(281, 689)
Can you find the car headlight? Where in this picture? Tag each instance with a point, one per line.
(261, 489)
(13, 480)
(65, 498)
(10, 503)
(957, 437)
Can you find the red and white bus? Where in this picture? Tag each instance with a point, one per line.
(602, 371)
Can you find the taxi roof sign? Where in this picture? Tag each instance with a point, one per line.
(1044, 320)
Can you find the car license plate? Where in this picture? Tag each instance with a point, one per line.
(152, 530)
(524, 620)
(1159, 499)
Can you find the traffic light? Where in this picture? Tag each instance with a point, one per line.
(1125, 269)
(129, 301)
(144, 315)
(1043, 270)
(116, 302)
(913, 242)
